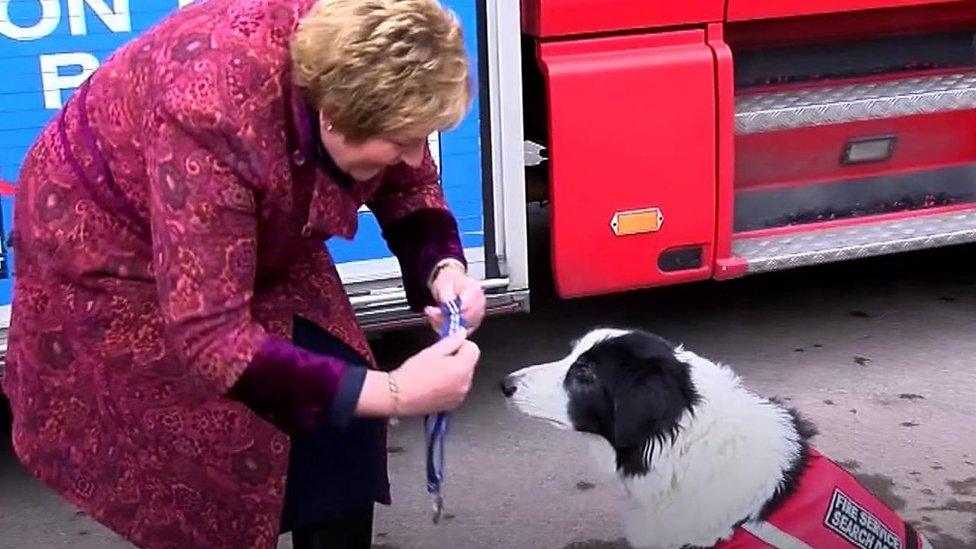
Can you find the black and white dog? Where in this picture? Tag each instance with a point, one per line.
(704, 461)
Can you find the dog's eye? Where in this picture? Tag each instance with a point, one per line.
(583, 373)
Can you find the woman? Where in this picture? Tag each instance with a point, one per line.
(183, 362)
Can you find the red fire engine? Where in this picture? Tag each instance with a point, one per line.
(719, 138)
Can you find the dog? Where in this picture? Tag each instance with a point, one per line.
(704, 461)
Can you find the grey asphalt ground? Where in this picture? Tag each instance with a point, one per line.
(881, 354)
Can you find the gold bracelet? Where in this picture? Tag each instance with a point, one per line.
(443, 264)
(395, 393)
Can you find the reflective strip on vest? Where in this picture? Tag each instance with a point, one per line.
(773, 535)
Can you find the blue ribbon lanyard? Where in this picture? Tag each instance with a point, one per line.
(436, 425)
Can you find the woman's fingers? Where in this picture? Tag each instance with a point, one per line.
(449, 345)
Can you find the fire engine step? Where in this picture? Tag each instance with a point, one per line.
(820, 246)
(838, 104)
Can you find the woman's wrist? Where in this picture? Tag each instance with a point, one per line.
(446, 263)
(379, 396)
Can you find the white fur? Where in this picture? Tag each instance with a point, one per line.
(727, 461)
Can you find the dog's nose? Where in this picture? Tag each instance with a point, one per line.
(508, 386)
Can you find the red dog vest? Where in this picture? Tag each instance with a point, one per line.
(829, 509)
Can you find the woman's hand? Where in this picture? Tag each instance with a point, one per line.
(436, 379)
(452, 282)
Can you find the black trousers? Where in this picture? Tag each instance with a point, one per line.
(335, 475)
(354, 531)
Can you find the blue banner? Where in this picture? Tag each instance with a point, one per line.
(48, 47)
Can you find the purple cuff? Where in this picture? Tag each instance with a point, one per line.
(295, 389)
(419, 241)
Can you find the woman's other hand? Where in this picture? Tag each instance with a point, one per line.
(450, 282)
(436, 379)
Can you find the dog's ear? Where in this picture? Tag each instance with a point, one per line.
(650, 399)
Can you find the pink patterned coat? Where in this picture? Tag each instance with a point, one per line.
(169, 222)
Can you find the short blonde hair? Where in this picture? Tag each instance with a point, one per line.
(382, 67)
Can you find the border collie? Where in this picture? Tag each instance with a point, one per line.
(704, 461)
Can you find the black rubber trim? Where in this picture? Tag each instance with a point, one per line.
(771, 66)
(680, 259)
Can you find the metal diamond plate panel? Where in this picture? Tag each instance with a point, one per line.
(838, 104)
(873, 239)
